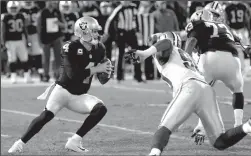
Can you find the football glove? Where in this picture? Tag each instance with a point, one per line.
(199, 136)
(131, 56)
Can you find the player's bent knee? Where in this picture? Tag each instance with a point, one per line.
(99, 110)
(44, 118)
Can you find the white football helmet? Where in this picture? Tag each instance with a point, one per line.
(217, 10)
(65, 7)
(13, 7)
(87, 29)
(172, 36)
(27, 4)
(204, 15)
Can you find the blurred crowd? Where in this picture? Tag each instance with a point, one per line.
(125, 24)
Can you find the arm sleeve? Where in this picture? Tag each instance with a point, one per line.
(111, 19)
(72, 69)
(39, 25)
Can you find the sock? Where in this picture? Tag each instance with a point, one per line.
(97, 113)
(229, 138)
(76, 137)
(161, 138)
(238, 116)
(37, 124)
(238, 104)
(13, 67)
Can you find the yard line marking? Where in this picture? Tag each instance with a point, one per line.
(112, 126)
(5, 136)
(122, 87)
(70, 133)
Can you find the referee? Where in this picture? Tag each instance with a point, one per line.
(123, 24)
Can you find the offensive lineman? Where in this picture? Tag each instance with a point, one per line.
(13, 31)
(191, 95)
(80, 60)
(218, 57)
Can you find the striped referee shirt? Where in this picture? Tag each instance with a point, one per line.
(125, 18)
(146, 26)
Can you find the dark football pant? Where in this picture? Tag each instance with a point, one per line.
(56, 45)
(129, 38)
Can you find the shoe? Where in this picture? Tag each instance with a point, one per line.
(27, 77)
(155, 152)
(13, 78)
(75, 145)
(17, 147)
(249, 122)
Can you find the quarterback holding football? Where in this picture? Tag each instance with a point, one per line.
(81, 59)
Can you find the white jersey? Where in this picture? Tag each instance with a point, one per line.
(180, 67)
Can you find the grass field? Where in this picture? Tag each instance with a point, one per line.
(134, 112)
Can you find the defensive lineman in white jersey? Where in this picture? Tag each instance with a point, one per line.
(191, 94)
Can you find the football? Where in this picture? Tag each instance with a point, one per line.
(104, 77)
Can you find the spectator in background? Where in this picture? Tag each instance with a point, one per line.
(123, 23)
(49, 27)
(30, 11)
(146, 29)
(164, 20)
(13, 30)
(70, 18)
(106, 9)
(90, 8)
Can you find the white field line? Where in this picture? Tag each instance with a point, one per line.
(122, 87)
(4, 136)
(109, 126)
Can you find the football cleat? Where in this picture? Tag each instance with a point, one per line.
(13, 78)
(249, 122)
(16, 147)
(75, 145)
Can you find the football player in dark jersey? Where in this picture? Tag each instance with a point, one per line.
(238, 18)
(13, 32)
(191, 95)
(80, 60)
(30, 11)
(218, 57)
(70, 18)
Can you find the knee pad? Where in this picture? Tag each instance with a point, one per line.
(45, 116)
(99, 110)
(238, 101)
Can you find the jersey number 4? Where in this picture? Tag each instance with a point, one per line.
(216, 28)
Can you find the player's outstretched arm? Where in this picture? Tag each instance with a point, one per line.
(190, 45)
(162, 45)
